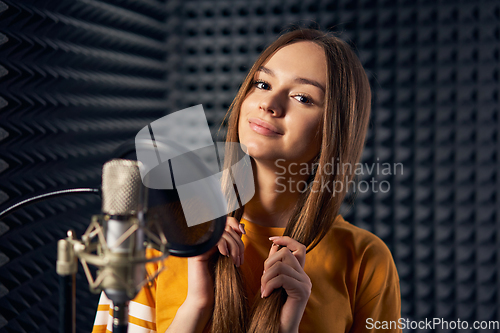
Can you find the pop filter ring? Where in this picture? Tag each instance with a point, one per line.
(128, 151)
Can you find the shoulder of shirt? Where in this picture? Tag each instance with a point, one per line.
(362, 245)
(341, 229)
(372, 270)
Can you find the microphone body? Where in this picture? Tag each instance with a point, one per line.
(124, 206)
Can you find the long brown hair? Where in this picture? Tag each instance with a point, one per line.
(345, 122)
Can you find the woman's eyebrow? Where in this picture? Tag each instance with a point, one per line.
(297, 79)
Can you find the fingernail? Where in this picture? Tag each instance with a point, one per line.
(242, 228)
(274, 238)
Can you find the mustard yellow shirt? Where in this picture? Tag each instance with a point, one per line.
(354, 283)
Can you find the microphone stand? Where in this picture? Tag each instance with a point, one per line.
(67, 266)
(120, 317)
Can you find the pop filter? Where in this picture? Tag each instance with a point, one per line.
(166, 212)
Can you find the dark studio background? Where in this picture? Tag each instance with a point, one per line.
(78, 78)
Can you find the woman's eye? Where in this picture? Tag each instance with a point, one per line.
(262, 85)
(303, 99)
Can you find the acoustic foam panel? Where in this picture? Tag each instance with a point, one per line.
(78, 79)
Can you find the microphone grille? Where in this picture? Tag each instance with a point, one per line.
(121, 187)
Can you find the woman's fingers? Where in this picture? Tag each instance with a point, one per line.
(229, 247)
(222, 246)
(296, 289)
(277, 269)
(237, 226)
(283, 255)
(239, 229)
(240, 247)
(298, 249)
(285, 268)
(230, 243)
(273, 250)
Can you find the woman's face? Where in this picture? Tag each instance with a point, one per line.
(281, 116)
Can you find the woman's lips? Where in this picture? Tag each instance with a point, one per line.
(261, 127)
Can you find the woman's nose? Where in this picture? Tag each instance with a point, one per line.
(273, 104)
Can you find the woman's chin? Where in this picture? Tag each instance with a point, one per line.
(262, 152)
(264, 158)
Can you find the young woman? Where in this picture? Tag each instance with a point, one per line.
(287, 262)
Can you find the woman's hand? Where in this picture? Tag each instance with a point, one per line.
(285, 268)
(200, 283)
(195, 312)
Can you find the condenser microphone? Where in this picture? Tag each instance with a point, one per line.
(124, 201)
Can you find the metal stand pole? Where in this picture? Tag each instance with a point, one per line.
(66, 269)
(120, 318)
(67, 304)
